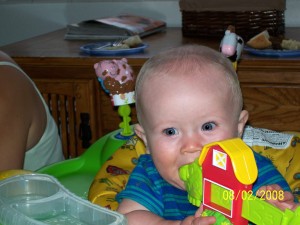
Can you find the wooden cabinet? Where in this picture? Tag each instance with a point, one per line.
(273, 105)
(72, 104)
(72, 93)
(271, 86)
(271, 91)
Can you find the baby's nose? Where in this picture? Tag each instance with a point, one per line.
(191, 145)
(191, 149)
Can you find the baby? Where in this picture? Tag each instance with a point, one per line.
(186, 97)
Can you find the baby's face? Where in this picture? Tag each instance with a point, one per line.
(180, 116)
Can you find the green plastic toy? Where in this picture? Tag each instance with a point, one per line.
(124, 111)
(254, 209)
(77, 174)
(192, 175)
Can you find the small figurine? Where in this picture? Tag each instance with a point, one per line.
(232, 45)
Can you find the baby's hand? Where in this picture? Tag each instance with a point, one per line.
(286, 201)
(198, 219)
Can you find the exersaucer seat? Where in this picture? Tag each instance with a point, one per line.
(77, 174)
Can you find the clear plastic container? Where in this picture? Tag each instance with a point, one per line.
(40, 199)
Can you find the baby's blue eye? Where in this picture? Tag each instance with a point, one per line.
(208, 126)
(170, 131)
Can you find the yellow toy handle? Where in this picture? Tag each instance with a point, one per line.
(10, 173)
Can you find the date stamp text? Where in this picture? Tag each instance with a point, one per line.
(245, 195)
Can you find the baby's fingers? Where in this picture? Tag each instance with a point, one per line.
(204, 220)
(199, 211)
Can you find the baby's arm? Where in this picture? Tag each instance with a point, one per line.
(286, 202)
(138, 214)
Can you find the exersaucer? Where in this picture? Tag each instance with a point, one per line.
(77, 174)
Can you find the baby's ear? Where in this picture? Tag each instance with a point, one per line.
(140, 132)
(244, 115)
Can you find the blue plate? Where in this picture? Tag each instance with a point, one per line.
(272, 52)
(93, 49)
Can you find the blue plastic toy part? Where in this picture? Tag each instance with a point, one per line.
(102, 85)
(77, 174)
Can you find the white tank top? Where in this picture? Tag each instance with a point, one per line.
(49, 148)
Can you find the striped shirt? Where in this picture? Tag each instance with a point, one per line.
(148, 188)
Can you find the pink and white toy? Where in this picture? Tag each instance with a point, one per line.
(116, 78)
(232, 45)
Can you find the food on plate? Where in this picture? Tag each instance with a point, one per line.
(260, 41)
(276, 42)
(130, 42)
(263, 41)
(290, 44)
(133, 41)
(121, 46)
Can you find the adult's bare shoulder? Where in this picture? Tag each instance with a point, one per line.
(15, 121)
(22, 116)
(15, 89)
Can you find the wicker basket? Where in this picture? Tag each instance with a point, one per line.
(247, 23)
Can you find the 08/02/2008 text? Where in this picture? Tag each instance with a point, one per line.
(246, 195)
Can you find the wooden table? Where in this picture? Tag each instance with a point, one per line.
(271, 86)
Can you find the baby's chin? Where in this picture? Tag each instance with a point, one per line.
(174, 180)
(178, 184)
